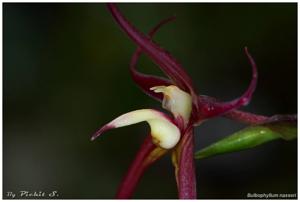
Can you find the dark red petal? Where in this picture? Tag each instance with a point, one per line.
(281, 117)
(208, 107)
(186, 176)
(254, 119)
(145, 82)
(147, 155)
(250, 118)
(245, 117)
(162, 58)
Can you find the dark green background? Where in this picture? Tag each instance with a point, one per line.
(65, 73)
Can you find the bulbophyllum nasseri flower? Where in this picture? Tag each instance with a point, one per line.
(174, 134)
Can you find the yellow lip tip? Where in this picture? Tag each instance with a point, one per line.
(158, 89)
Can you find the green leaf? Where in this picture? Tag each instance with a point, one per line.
(286, 130)
(251, 137)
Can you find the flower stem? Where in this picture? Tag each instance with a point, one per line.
(147, 154)
(185, 167)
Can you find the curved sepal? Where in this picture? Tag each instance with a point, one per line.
(162, 58)
(208, 107)
(145, 81)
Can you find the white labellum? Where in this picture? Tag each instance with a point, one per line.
(165, 134)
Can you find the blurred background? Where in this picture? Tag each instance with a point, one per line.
(65, 74)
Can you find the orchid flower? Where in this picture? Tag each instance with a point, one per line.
(172, 134)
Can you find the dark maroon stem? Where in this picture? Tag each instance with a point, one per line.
(186, 174)
(136, 169)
